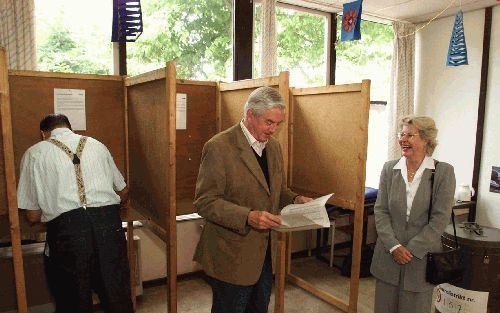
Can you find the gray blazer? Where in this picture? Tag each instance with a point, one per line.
(417, 235)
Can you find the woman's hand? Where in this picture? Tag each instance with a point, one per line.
(402, 255)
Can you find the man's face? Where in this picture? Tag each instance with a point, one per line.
(264, 126)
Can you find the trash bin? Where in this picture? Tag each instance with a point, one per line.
(481, 256)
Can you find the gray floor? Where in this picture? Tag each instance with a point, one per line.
(194, 295)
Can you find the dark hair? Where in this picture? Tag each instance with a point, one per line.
(51, 121)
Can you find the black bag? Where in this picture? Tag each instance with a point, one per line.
(366, 261)
(445, 266)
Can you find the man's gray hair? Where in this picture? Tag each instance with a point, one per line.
(263, 99)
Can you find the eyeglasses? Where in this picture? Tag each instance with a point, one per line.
(409, 136)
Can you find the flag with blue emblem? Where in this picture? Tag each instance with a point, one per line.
(351, 21)
(457, 52)
(127, 20)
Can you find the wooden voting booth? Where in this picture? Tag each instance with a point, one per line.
(136, 119)
(164, 160)
(328, 146)
(326, 133)
(26, 97)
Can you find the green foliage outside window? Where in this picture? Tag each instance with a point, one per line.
(60, 53)
(196, 34)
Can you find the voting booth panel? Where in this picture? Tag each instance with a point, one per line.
(328, 135)
(149, 101)
(199, 117)
(148, 141)
(3, 192)
(233, 96)
(32, 97)
(328, 142)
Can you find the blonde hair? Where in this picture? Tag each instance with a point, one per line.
(426, 130)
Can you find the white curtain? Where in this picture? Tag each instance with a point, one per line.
(401, 100)
(17, 33)
(269, 44)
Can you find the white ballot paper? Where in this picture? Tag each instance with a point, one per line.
(305, 216)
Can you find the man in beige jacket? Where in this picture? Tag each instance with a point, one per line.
(240, 190)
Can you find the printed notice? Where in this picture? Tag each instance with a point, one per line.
(452, 299)
(71, 102)
(180, 111)
(309, 215)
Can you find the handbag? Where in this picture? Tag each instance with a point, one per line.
(445, 266)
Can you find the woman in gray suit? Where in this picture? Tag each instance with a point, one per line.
(405, 235)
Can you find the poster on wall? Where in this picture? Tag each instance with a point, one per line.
(71, 102)
(180, 111)
(495, 179)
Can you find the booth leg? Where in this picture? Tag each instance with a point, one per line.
(279, 305)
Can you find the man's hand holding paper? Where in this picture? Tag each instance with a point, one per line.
(308, 215)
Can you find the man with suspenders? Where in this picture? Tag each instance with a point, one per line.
(71, 183)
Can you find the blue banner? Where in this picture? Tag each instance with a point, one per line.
(127, 20)
(457, 52)
(351, 21)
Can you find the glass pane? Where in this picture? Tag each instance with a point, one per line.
(370, 58)
(301, 45)
(197, 34)
(74, 36)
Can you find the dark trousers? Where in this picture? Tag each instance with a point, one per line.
(88, 251)
(230, 298)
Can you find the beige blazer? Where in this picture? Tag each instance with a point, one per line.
(417, 235)
(230, 184)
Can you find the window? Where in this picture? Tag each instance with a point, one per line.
(196, 34)
(301, 49)
(370, 58)
(74, 36)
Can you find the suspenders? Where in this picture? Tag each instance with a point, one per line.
(75, 158)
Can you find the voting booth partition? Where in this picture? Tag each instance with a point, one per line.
(324, 139)
(328, 136)
(155, 126)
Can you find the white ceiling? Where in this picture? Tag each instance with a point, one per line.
(415, 11)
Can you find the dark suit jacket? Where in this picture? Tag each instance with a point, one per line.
(417, 235)
(230, 184)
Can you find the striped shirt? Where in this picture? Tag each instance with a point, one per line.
(48, 180)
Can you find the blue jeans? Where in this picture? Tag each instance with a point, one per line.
(230, 298)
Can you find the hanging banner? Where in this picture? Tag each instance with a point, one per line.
(127, 20)
(351, 21)
(451, 299)
(457, 52)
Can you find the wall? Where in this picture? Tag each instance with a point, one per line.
(450, 95)
(488, 212)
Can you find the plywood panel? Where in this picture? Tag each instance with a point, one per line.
(32, 97)
(3, 192)
(201, 126)
(328, 144)
(327, 153)
(148, 149)
(231, 109)
(233, 96)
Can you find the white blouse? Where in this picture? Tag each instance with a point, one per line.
(412, 187)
